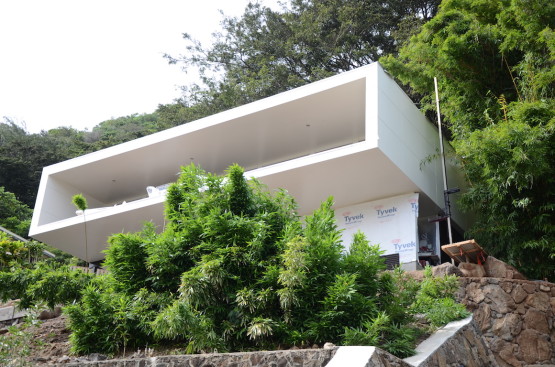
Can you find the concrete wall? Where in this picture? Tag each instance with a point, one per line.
(408, 138)
(516, 318)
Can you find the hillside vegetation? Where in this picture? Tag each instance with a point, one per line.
(236, 269)
(495, 63)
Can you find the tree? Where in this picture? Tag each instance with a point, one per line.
(120, 130)
(23, 155)
(80, 203)
(14, 215)
(494, 62)
(265, 52)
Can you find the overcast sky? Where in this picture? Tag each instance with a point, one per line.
(78, 63)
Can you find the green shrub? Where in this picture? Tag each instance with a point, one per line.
(381, 331)
(60, 286)
(15, 283)
(236, 269)
(436, 299)
(92, 322)
(444, 310)
(106, 320)
(11, 251)
(44, 283)
(15, 346)
(126, 261)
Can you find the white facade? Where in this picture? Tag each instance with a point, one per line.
(392, 223)
(355, 136)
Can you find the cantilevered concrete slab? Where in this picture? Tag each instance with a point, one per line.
(355, 136)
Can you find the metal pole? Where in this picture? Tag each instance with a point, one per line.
(445, 194)
(17, 237)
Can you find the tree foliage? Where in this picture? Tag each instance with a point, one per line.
(23, 155)
(495, 63)
(37, 283)
(14, 215)
(265, 51)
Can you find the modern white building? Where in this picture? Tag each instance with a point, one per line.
(355, 136)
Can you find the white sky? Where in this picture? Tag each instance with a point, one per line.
(80, 62)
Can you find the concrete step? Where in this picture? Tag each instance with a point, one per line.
(10, 313)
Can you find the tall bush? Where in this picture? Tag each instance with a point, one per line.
(235, 269)
(51, 284)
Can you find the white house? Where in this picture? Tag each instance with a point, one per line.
(355, 136)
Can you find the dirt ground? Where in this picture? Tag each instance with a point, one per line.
(50, 342)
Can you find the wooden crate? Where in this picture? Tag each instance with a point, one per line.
(466, 251)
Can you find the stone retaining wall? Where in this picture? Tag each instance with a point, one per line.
(516, 318)
(459, 343)
(280, 358)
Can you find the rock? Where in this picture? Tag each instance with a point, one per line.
(534, 347)
(544, 288)
(539, 301)
(46, 315)
(507, 286)
(420, 318)
(472, 270)
(415, 274)
(507, 354)
(521, 309)
(498, 269)
(497, 345)
(507, 327)
(63, 359)
(446, 269)
(474, 292)
(482, 317)
(534, 319)
(95, 357)
(499, 301)
(530, 287)
(519, 294)
(329, 345)
(552, 304)
(50, 314)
